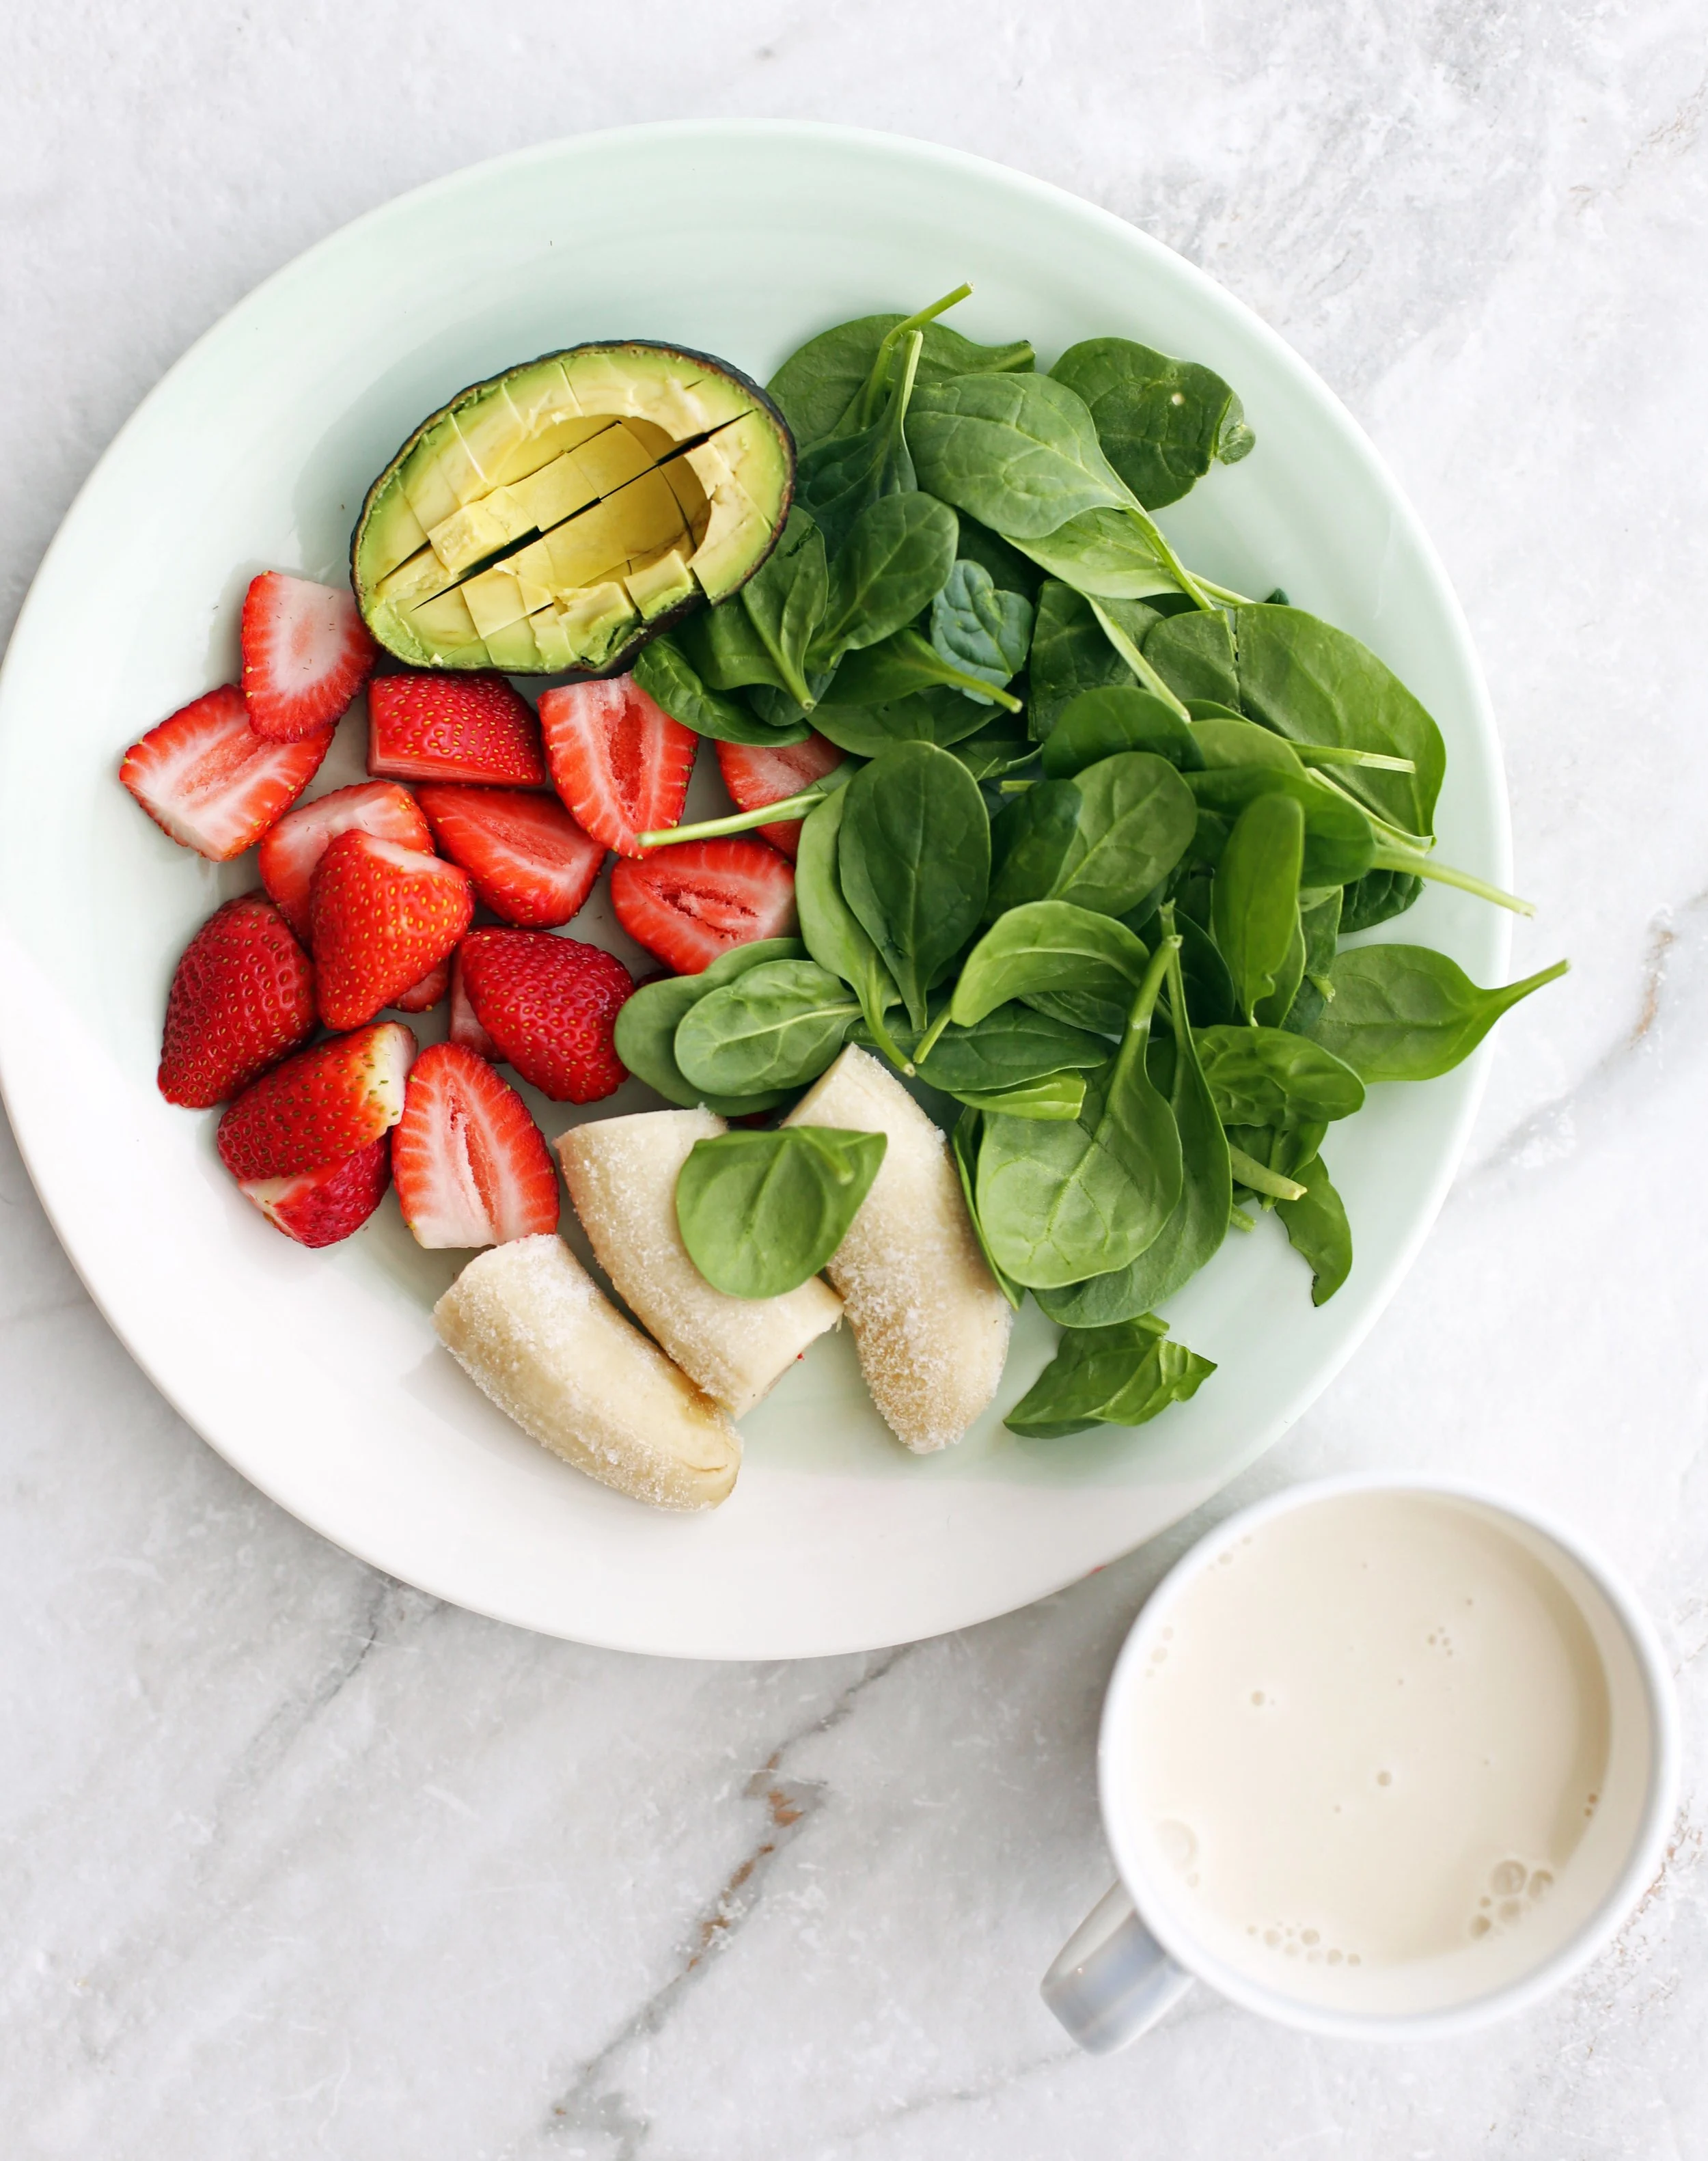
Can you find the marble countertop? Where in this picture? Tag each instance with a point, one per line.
(297, 1860)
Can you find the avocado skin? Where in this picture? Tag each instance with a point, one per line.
(625, 657)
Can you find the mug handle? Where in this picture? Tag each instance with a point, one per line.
(1112, 1980)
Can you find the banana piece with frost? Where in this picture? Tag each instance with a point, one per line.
(621, 1176)
(928, 1321)
(529, 1325)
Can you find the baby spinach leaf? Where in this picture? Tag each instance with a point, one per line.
(1069, 654)
(1018, 452)
(1272, 1010)
(963, 1147)
(1161, 421)
(1340, 842)
(1406, 1012)
(761, 1212)
(1316, 1227)
(647, 1025)
(1101, 841)
(1046, 946)
(1284, 1151)
(777, 1026)
(915, 860)
(723, 647)
(1194, 655)
(1262, 1076)
(1376, 897)
(840, 478)
(833, 933)
(978, 629)
(1210, 999)
(904, 662)
(1319, 923)
(934, 716)
(1254, 903)
(821, 386)
(1009, 1046)
(1000, 745)
(898, 552)
(1011, 572)
(1123, 1375)
(665, 672)
(784, 601)
(1225, 741)
(1097, 724)
(1058, 1095)
(1110, 555)
(1199, 1223)
(1062, 1201)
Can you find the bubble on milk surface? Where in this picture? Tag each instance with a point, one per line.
(1514, 1887)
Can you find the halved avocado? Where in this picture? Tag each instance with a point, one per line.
(559, 514)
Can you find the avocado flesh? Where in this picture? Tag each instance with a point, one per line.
(544, 520)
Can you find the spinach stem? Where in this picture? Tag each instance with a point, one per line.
(1237, 1219)
(1335, 754)
(1138, 1031)
(928, 1042)
(1426, 867)
(1170, 561)
(1419, 843)
(872, 1010)
(873, 387)
(1136, 661)
(1224, 595)
(1260, 1178)
(739, 821)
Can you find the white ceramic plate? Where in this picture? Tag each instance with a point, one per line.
(318, 1375)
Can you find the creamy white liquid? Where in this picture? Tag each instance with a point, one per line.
(1370, 1745)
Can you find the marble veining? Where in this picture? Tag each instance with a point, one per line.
(299, 1861)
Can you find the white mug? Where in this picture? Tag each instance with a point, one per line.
(1136, 1954)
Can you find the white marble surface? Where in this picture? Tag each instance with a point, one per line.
(296, 1860)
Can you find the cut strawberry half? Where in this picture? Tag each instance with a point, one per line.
(618, 759)
(320, 1105)
(471, 1166)
(688, 903)
(382, 917)
(464, 1028)
(756, 775)
(292, 850)
(242, 998)
(550, 1006)
(530, 861)
(306, 654)
(477, 728)
(422, 996)
(319, 1207)
(205, 776)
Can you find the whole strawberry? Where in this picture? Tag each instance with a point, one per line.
(383, 916)
(320, 1105)
(550, 1005)
(242, 998)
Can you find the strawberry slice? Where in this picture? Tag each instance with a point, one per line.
(381, 915)
(530, 861)
(242, 998)
(550, 1006)
(306, 654)
(618, 759)
(296, 844)
(320, 1105)
(319, 1207)
(464, 1028)
(205, 776)
(479, 728)
(470, 1166)
(688, 903)
(422, 996)
(756, 775)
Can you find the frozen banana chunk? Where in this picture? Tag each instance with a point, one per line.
(530, 1326)
(621, 1176)
(928, 1321)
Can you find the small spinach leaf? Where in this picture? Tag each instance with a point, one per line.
(915, 860)
(784, 601)
(1009, 1046)
(1102, 841)
(665, 672)
(1254, 903)
(898, 552)
(821, 386)
(1376, 897)
(1316, 1227)
(1018, 452)
(839, 478)
(978, 629)
(1106, 554)
(1001, 746)
(1069, 654)
(761, 1212)
(1011, 572)
(904, 662)
(1123, 1375)
(1097, 724)
(1406, 1012)
(777, 1026)
(936, 714)
(1340, 842)
(647, 1025)
(1262, 1076)
(833, 933)
(1049, 946)
(1058, 1095)
(1210, 999)
(963, 1147)
(1161, 421)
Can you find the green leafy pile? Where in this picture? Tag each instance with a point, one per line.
(1086, 873)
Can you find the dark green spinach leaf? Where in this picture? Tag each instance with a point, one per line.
(839, 479)
(834, 934)
(821, 388)
(1009, 1046)
(647, 1025)
(978, 629)
(1262, 1076)
(898, 552)
(1049, 946)
(665, 672)
(784, 601)
(1406, 1012)
(761, 1212)
(1123, 1375)
(1376, 897)
(1095, 724)
(963, 1147)
(1102, 841)
(1161, 421)
(1316, 1227)
(777, 1026)
(1254, 903)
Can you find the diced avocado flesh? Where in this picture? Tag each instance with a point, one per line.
(545, 519)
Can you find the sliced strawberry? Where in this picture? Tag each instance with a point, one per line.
(471, 1166)
(242, 998)
(320, 1105)
(319, 1207)
(296, 844)
(422, 996)
(205, 776)
(426, 726)
(618, 759)
(464, 1028)
(306, 654)
(690, 903)
(550, 1006)
(756, 775)
(383, 916)
(530, 861)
